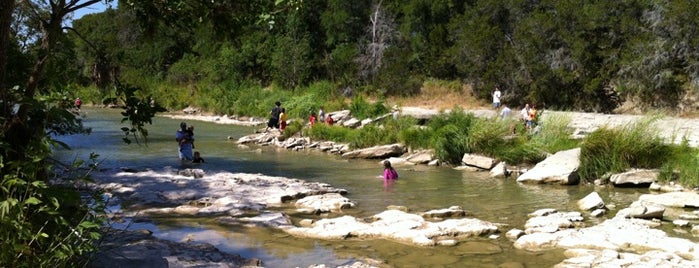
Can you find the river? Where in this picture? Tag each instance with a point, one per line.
(419, 188)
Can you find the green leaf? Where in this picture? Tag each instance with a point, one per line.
(32, 201)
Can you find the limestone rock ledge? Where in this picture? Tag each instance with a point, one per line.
(398, 226)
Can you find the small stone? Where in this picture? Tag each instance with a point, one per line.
(598, 212)
(448, 242)
(514, 234)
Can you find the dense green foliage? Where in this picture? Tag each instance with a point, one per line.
(44, 220)
(558, 54)
(43, 224)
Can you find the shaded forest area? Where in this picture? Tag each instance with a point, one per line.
(568, 55)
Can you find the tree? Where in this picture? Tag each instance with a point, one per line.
(43, 225)
(381, 32)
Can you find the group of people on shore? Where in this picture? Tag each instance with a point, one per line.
(528, 114)
(278, 117)
(185, 144)
(320, 117)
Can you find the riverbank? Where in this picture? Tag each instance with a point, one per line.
(672, 129)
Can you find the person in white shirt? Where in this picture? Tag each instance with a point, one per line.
(525, 113)
(496, 98)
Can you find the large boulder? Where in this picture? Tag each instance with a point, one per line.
(500, 171)
(591, 202)
(560, 168)
(421, 157)
(635, 177)
(642, 210)
(383, 151)
(479, 161)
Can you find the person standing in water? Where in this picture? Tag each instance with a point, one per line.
(185, 141)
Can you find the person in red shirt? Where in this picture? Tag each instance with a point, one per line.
(329, 120)
(312, 119)
(78, 103)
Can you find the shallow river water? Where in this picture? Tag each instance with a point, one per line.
(419, 188)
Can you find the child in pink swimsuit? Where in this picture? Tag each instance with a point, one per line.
(389, 173)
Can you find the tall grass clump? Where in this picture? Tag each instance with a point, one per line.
(554, 134)
(412, 135)
(372, 135)
(487, 136)
(616, 150)
(450, 139)
(682, 165)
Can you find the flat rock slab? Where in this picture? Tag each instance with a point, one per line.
(383, 151)
(673, 199)
(213, 194)
(635, 177)
(398, 226)
(560, 168)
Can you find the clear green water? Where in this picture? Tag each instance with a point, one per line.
(420, 188)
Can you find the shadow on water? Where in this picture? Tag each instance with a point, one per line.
(420, 188)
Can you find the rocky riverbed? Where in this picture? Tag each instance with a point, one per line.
(633, 236)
